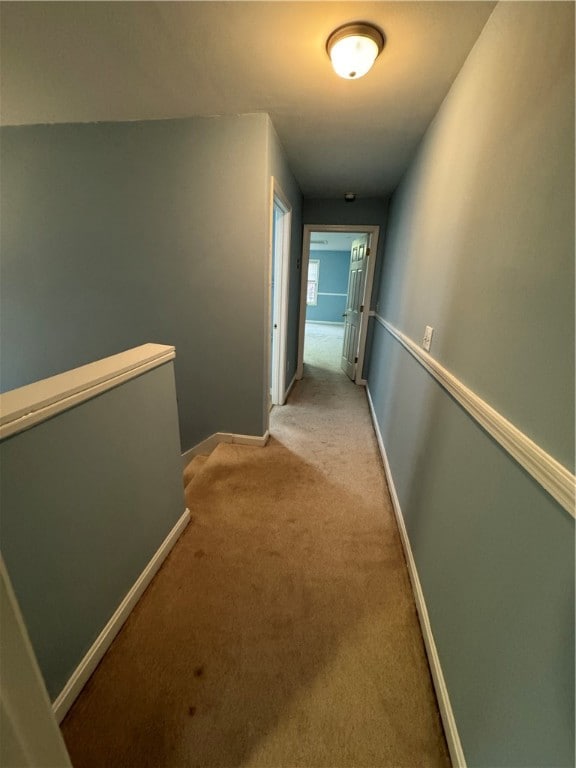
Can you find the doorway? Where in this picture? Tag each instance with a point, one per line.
(281, 213)
(337, 275)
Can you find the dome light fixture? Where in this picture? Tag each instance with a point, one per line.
(353, 49)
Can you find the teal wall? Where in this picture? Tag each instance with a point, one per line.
(87, 499)
(480, 245)
(118, 234)
(333, 279)
(279, 168)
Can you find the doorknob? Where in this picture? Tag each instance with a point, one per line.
(345, 314)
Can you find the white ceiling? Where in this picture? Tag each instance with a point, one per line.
(332, 241)
(96, 61)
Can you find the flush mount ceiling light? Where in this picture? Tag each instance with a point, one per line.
(353, 49)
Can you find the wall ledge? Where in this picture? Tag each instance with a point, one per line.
(28, 406)
(558, 481)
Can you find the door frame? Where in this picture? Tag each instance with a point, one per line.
(374, 232)
(279, 276)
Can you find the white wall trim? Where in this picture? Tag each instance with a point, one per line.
(558, 481)
(279, 259)
(207, 446)
(27, 406)
(88, 664)
(448, 719)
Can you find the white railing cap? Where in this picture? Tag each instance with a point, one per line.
(27, 406)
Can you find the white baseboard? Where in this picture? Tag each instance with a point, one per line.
(88, 664)
(256, 440)
(204, 448)
(448, 720)
(208, 445)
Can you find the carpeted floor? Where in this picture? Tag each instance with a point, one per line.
(323, 347)
(281, 630)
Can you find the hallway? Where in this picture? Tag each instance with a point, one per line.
(281, 630)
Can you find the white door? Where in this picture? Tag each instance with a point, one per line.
(275, 302)
(280, 276)
(354, 304)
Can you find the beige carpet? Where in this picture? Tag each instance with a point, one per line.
(323, 346)
(281, 630)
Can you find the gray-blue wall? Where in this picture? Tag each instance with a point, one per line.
(332, 286)
(87, 499)
(118, 234)
(480, 246)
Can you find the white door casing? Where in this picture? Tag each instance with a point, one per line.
(278, 291)
(359, 254)
(373, 233)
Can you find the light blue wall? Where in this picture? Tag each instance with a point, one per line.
(480, 246)
(117, 234)
(87, 499)
(333, 279)
(279, 168)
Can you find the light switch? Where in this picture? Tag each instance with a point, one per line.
(427, 340)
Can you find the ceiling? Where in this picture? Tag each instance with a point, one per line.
(332, 241)
(98, 61)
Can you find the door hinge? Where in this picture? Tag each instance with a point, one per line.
(361, 307)
(367, 251)
(355, 359)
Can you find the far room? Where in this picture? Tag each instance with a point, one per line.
(336, 283)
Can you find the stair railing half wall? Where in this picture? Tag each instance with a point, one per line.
(92, 502)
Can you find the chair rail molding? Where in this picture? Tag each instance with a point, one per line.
(556, 479)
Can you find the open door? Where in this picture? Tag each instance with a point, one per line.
(281, 212)
(354, 305)
(361, 277)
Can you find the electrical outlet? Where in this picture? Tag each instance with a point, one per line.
(427, 340)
